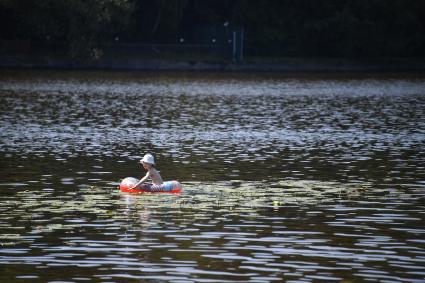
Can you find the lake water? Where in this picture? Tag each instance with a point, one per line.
(296, 178)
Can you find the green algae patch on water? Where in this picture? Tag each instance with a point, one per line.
(240, 195)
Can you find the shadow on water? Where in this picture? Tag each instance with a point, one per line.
(286, 177)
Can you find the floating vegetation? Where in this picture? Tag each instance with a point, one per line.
(230, 196)
(240, 195)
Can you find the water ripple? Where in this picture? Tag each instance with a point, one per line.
(296, 178)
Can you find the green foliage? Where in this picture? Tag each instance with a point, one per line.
(272, 27)
(156, 20)
(81, 24)
(334, 27)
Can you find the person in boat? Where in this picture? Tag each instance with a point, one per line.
(148, 163)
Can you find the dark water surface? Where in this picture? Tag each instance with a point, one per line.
(297, 178)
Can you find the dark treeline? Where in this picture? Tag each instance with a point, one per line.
(349, 28)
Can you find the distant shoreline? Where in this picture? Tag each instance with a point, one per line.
(249, 65)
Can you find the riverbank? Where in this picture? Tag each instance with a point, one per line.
(248, 65)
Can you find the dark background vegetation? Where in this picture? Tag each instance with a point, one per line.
(280, 28)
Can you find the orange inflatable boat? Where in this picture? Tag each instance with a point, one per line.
(171, 187)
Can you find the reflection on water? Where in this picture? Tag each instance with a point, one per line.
(286, 177)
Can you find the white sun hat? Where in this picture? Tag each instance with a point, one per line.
(148, 158)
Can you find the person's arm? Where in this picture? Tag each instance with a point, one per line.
(141, 181)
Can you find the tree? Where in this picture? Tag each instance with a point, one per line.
(83, 25)
(272, 27)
